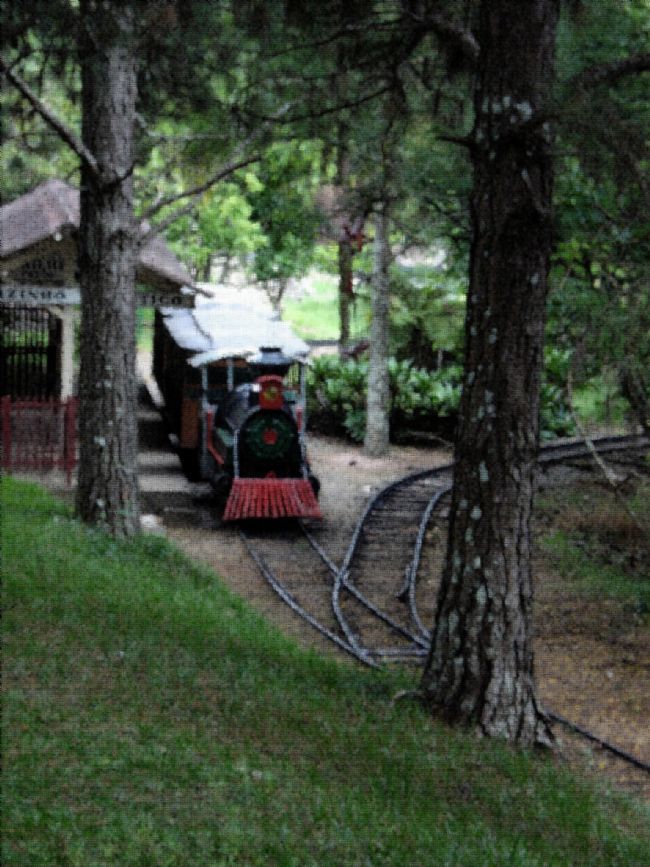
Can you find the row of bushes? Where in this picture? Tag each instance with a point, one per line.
(420, 400)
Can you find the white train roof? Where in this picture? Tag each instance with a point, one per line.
(214, 330)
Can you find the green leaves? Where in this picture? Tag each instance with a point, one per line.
(420, 399)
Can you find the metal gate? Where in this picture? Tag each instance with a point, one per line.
(30, 340)
(38, 434)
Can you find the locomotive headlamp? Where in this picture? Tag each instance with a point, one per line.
(271, 395)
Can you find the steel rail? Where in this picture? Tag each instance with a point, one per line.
(408, 590)
(358, 595)
(343, 574)
(418, 653)
(302, 612)
(552, 452)
(549, 454)
(606, 745)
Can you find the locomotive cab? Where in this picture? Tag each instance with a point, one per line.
(270, 361)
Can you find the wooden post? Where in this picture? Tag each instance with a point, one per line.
(70, 438)
(6, 431)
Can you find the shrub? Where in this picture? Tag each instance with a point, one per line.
(555, 417)
(420, 400)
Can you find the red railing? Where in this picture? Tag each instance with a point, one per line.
(39, 434)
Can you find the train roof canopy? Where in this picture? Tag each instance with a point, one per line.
(213, 331)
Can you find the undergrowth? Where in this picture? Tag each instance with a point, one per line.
(598, 546)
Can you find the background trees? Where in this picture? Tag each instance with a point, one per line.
(599, 304)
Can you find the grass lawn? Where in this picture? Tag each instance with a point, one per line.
(597, 547)
(150, 718)
(315, 316)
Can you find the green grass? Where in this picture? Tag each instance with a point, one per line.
(316, 315)
(597, 546)
(144, 328)
(150, 718)
(598, 402)
(595, 577)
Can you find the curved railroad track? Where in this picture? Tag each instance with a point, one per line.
(368, 604)
(387, 542)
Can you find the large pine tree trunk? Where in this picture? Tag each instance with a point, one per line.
(107, 491)
(377, 406)
(480, 668)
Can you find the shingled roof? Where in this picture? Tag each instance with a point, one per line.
(53, 207)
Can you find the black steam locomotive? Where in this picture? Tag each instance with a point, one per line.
(233, 386)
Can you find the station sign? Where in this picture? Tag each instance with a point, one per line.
(41, 296)
(164, 299)
(38, 296)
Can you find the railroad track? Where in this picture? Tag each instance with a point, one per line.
(368, 604)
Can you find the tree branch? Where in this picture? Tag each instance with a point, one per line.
(463, 39)
(609, 476)
(228, 169)
(610, 73)
(347, 30)
(62, 130)
(330, 109)
(194, 194)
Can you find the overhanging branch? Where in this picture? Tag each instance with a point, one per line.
(448, 31)
(330, 109)
(610, 73)
(62, 130)
(194, 195)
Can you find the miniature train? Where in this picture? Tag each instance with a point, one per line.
(233, 386)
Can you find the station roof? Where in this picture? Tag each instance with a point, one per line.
(52, 208)
(214, 330)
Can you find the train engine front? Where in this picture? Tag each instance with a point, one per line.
(258, 445)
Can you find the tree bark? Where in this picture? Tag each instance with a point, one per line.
(377, 407)
(634, 390)
(480, 667)
(107, 491)
(344, 245)
(345, 284)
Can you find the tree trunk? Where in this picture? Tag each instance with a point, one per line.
(634, 390)
(344, 245)
(480, 668)
(345, 285)
(107, 491)
(377, 422)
